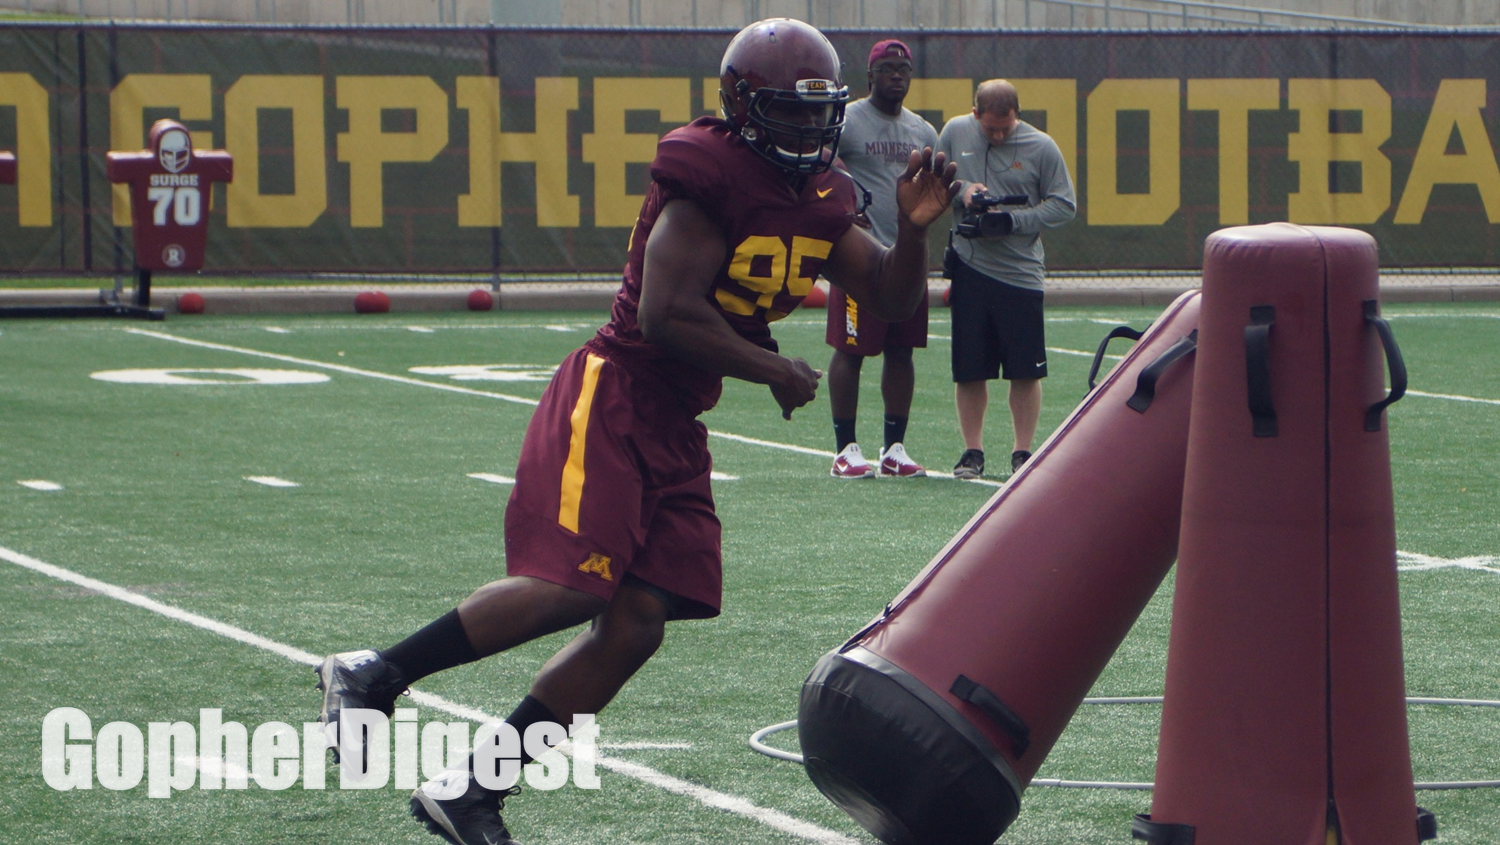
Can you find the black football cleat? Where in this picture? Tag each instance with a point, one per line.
(472, 818)
(355, 680)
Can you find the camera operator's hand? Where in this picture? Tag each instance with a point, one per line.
(970, 190)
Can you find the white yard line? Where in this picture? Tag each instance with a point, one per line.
(492, 478)
(769, 444)
(271, 481)
(708, 797)
(1452, 397)
(338, 368)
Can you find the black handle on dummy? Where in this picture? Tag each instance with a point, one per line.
(1393, 361)
(1117, 331)
(1258, 370)
(1145, 383)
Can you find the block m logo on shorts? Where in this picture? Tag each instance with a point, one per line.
(597, 564)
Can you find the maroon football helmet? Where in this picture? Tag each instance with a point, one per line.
(780, 84)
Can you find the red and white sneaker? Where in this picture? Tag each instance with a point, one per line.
(896, 463)
(851, 463)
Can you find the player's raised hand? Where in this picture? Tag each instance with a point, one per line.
(926, 188)
(799, 387)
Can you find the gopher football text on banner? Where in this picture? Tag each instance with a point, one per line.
(447, 150)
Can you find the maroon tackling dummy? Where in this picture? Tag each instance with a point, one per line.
(169, 188)
(7, 169)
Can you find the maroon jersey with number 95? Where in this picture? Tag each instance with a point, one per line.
(778, 238)
(169, 189)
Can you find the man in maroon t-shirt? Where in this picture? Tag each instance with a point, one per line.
(611, 519)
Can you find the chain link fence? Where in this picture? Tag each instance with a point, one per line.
(524, 153)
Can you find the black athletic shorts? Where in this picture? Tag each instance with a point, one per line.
(997, 328)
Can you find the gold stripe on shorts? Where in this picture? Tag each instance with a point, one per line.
(572, 477)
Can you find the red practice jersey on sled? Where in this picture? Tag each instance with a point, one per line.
(777, 241)
(169, 191)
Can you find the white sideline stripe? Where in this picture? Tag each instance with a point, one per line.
(271, 481)
(1452, 397)
(338, 368)
(723, 476)
(708, 797)
(39, 484)
(421, 330)
(492, 478)
(278, 330)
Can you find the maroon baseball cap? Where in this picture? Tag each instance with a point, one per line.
(886, 49)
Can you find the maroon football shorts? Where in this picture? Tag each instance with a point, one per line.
(855, 330)
(613, 481)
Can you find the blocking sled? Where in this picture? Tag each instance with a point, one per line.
(929, 723)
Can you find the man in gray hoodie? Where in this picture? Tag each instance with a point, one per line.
(997, 268)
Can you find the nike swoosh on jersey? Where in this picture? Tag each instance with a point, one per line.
(825, 192)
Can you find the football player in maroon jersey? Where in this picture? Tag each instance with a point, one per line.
(611, 521)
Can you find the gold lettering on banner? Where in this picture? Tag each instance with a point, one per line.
(1315, 148)
(1233, 100)
(710, 102)
(610, 148)
(949, 97)
(1162, 99)
(33, 147)
(303, 96)
(367, 147)
(1459, 105)
(1058, 99)
(546, 148)
(190, 93)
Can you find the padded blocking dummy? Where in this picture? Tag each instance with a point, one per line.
(1285, 713)
(7, 169)
(928, 725)
(170, 185)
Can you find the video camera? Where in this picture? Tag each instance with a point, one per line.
(983, 220)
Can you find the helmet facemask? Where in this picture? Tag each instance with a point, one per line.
(797, 129)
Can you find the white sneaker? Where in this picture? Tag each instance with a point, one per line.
(851, 463)
(895, 462)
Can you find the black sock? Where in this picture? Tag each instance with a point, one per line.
(527, 713)
(895, 430)
(843, 433)
(441, 645)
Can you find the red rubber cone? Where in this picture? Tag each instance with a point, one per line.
(1285, 711)
(929, 723)
(372, 302)
(817, 297)
(480, 300)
